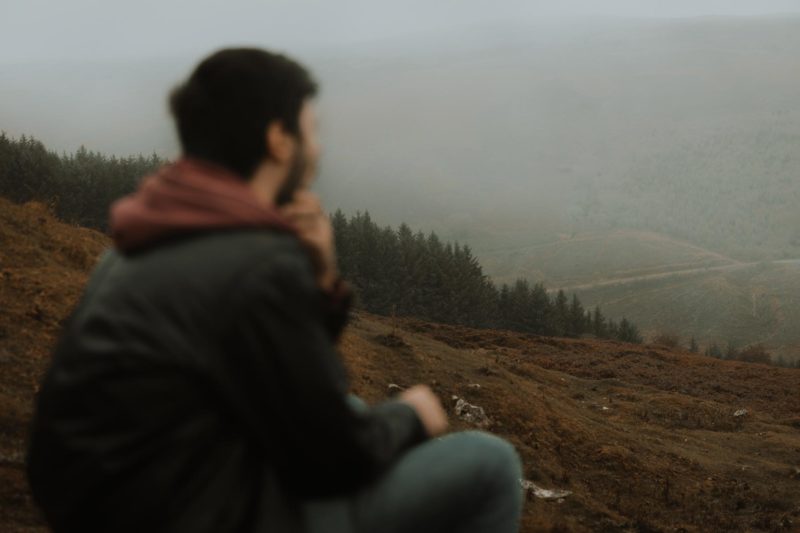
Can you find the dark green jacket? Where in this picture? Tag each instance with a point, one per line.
(196, 388)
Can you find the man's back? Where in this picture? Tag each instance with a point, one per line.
(146, 412)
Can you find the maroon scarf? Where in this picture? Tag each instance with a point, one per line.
(184, 197)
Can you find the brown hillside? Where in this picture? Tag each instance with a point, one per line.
(646, 439)
(43, 266)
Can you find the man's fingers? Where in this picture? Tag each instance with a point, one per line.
(305, 200)
(307, 221)
(312, 228)
(306, 196)
(296, 212)
(299, 215)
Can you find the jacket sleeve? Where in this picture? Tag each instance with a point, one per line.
(319, 445)
(337, 303)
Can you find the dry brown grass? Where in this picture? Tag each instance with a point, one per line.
(644, 436)
(43, 267)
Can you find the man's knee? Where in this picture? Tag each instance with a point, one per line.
(493, 459)
(356, 403)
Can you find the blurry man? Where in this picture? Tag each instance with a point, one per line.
(196, 386)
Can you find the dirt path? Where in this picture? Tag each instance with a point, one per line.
(665, 275)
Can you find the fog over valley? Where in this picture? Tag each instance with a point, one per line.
(592, 153)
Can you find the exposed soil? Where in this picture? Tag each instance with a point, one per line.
(644, 437)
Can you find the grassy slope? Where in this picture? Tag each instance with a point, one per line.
(645, 438)
(760, 303)
(732, 301)
(43, 266)
(591, 257)
(666, 452)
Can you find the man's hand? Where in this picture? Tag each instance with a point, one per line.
(429, 409)
(316, 233)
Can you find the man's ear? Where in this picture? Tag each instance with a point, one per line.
(280, 144)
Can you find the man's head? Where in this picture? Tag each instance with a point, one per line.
(245, 108)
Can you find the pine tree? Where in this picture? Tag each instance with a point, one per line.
(693, 346)
(731, 353)
(629, 332)
(575, 320)
(599, 327)
(714, 351)
(342, 241)
(560, 318)
(504, 306)
(613, 329)
(540, 310)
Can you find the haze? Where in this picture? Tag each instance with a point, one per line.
(93, 29)
(576, 143)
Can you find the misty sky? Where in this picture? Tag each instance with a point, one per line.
(510, 125)
(54, 30)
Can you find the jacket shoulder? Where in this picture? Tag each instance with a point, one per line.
(278, 253)
(225, 249)
(251, 246)
(207, 267)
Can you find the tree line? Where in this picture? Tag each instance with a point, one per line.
(753, 353)
(416, 274)
(392, 271)
(78, 187)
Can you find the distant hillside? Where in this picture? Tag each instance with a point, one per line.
(512, 133)
(590, 257)
(644, 438)
(687, 128)
(733, 190)
(667, 286)
(758, 303)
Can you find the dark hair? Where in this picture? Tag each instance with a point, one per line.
(223, 109)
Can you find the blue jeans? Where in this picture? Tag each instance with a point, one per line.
(466, 482)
